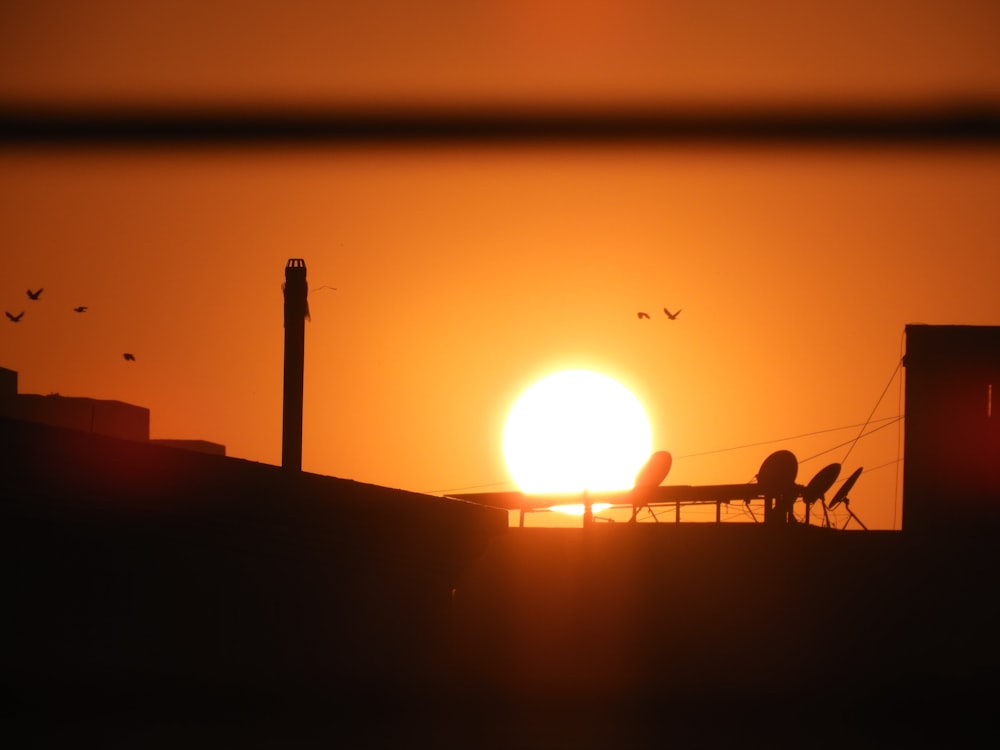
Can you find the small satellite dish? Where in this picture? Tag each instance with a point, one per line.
(654, 471)
(777, 473)
(817, 489)
(820, 483)
(846, 487)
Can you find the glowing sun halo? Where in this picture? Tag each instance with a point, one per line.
(576, 430)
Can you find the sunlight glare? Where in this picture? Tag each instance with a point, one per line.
(576, 430)
(578, 509)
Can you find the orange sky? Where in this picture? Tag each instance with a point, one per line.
(463, 275)
(546, 51)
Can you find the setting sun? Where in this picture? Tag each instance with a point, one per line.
(576, 430)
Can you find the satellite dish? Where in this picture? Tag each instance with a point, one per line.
(776, 479)
(777, 473)
(846, 487)
(841, 497)
(820, 483)
(817, 488)
(654, 471)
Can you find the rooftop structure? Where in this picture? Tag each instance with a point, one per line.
(99, 416)
(951, 471)
(111, 418)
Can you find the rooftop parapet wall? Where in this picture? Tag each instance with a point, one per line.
(111, 418)
(8, 384)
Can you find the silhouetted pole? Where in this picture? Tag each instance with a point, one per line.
(296, 311)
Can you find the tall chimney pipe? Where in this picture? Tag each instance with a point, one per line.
(296, 311)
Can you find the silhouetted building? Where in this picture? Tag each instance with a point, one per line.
(774, 630)
(141, 576)
(112, 418)
(99, 416)
(8, 384)
(951, 470)
(201, 446)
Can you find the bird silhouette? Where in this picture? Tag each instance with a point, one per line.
(129, 357)
(35, 295)
(672, 316)
(81, 308)
(15, 318)
(643, 315)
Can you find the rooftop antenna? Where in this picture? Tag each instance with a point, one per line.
(841, 497)
(296, 293)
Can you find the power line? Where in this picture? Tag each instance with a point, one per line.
(894, 462)
(899, 364)
(852, 442)
(786, 439)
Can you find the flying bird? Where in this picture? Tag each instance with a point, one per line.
(672, 316)
(35, 295)
(643, 315)
(81, 308)
(16, 318)
(129, 357)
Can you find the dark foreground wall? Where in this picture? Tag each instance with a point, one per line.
(735, 633)
(159, 597)
(137, 575)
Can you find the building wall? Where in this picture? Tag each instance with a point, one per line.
(101, 417)
(201, 446)
(8, 384)
(111, 418)
(951, 475)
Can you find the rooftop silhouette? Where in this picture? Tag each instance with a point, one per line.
(144, 577)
